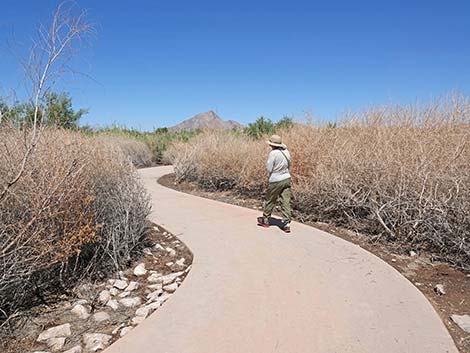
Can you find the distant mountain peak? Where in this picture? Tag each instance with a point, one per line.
(207, 120)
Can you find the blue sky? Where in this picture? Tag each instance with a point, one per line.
(154, 63)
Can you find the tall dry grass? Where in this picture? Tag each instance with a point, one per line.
(398, 173)
(78, 210)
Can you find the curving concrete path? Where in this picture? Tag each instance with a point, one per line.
(256, 290)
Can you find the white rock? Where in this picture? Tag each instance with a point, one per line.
(137, 320)
(147, 251)
(140, 270)
(155, 277)
(81, 302)
(120, 284)
(124, 294)
(188, 269)
(169, 264)
(153, 306)
(125, 330)
(76, 349)
(104, 297)
(181, 262)
(155, 286)
(114, 291)
(171, 277)
(56, 331)
(154, 295)
(170, 251)
(113, 304)
(439, 289)
(101, 316)
(56, 343)
(463, 321)
(122, 275)
(143, 311)
(130, 302)
(412, 253)
(96, 341)
(132, 286)
(159, 247)
(81, 311)
(163, 298)
(170, 288)
(111, 281)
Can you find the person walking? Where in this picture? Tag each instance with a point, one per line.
(278, 165)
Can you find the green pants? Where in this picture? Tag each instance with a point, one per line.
(275, 190)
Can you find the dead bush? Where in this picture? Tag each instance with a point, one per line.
(398, 173)
(79, 209)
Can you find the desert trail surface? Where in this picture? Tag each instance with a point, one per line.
(256, 290)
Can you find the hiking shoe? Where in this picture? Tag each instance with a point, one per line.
(263, 222)
(285, 227)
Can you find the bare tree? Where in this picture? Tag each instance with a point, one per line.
(48, 60)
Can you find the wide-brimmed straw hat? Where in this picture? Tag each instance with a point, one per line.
(276, 141)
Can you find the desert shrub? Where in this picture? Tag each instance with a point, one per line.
(79, 209)
(398, 173)
(157, 142)
(136, 151)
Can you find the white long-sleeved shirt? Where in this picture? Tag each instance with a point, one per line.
(278, 166)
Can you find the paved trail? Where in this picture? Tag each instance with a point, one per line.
(253, 290)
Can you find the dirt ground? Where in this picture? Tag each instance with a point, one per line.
(419, 269)
(26, 328)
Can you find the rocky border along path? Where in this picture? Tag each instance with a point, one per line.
(257, 290)
(105, 311)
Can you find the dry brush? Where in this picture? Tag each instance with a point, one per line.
(79, 209)
(398, 173)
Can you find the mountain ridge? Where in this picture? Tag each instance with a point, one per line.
(206, 120)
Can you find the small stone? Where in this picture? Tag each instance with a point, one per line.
(120, 284)
(137, 320)
(463, 321)
(104, 297)
(163, 298)
(76, 349)
(124, 294)
(122, 275)
(113, 304)
(130, 302)
(171, 251)
(154, 295)
(56, 343)
(188, 269)
(143, 311)
(159, 247)
(114, 291)
(155, 277)
(81, 302)
(171, 277)
(96, 341)
(101, 316)
(56, 331)
(170, 288)
(439, 289)
(394, 260)
(147, 251)
(81, 311)
(132, 286)
(412, 253)
(155, 286)
(140, 270)
(169, 264)
(125, 330)
(181, 262)
(111, 281)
